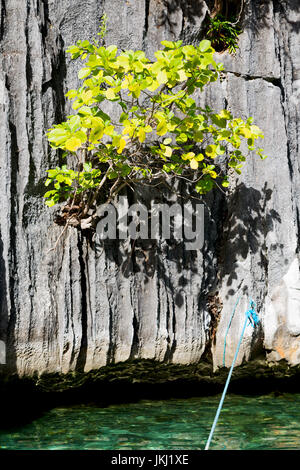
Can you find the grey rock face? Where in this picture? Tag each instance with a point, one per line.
(83, 305)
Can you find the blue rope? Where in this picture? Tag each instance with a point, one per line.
(253, 319)
(252, 315)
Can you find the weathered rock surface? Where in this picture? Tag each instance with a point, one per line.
(84, 306)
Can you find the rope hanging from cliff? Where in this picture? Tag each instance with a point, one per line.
(252, 318)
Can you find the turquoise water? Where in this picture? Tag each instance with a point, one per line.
(251, 422)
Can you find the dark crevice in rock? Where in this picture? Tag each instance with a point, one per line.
(174, 342)
(29, 74)
(2, 19)
(29, 110)
(274, 80)
(45, 20)
(288, 150)
(286, 118)
(111, 348)
(159, 292)
(146, 24)
(81, 360)
(135, 340)
(13, 261)
(170, 320)
(47, 85)
(298, 229)
(59, 72)
(30, 289)
(70, 303)
(167, 353)
(284, 106)
(227, 8)
(3, 296)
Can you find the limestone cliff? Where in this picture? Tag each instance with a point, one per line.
(83, 306)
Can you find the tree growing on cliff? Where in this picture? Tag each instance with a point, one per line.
(155, 132)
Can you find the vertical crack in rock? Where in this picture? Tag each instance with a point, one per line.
(181, 36)
(158, 309)
(111, 348)
(171, 316)
(174, 342)
(45, 20)
(298, 229)
(81, 360)
(278, 8)
(69, 319)
(57, 81)
(167, 353)
(146, 24)
(135, 339)
(30, 124)
(30, 286)
(2, 19)
(3, 296)
(13, 262)
(29, 74)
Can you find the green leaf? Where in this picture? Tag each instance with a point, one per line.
(110, 94)
(58, 136)
(168, 44)
(84, 72)
(162, 77)
(113, 175)
(71, 94)
(50, 193)
(74, 123)
(194, 164)
(123, 117)
(50, 203)
(211, 151)
(73, 144)
(182, 138)
(204, 45)
(87, 166)
(168, 151)
(162, 127)
(204, 185)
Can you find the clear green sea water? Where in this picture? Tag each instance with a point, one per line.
(246, 422)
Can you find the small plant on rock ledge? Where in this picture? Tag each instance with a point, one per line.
(158, 131)
(223, 34)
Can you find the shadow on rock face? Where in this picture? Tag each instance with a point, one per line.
(234, 226)
(168, 257)
(262, 13)
(247, 224)
(191, 9)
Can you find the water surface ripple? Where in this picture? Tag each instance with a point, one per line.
(246, 422)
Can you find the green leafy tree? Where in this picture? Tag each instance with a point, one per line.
(160, 132)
